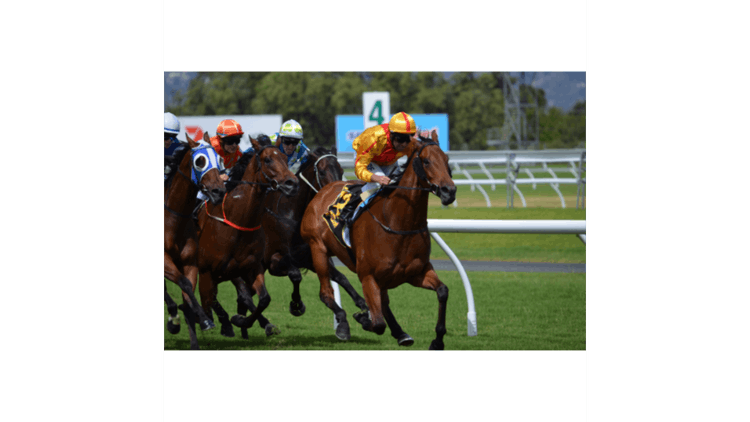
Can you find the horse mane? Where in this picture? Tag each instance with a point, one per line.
(175, 159)
(236, 172)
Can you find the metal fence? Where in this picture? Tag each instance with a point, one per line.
(509, 164)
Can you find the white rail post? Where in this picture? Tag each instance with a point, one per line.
(471, 315)
(581, 182)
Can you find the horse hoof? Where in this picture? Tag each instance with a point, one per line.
(363, 318)
(437, 345)
(227, 330)
(271, 330)
(405, 340)
(173, 329)
(342, 332)
(241, 321)
(297, 309)
(244, 333)
(207, 325)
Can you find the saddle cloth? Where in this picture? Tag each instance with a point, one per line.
(339, 212)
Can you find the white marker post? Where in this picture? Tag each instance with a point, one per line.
(376, 108)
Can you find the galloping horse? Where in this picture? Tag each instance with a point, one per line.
(190, 172)
(286, 252)
(390, 241)
(231, 240)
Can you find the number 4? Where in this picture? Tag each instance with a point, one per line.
(379, 107)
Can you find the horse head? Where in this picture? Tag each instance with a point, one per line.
(322, 167)
(272, 168)
(205, 165)
(431, 166)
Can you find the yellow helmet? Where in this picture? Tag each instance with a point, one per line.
(402, 123)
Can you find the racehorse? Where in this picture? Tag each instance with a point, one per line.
(286, 252)
(193, 167)
(390, 241)
(231, 239)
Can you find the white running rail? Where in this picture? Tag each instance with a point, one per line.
(576, 227)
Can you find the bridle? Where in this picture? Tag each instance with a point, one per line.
(272, 188)
(317, 173)
(420, 171)
(421, 174)
(270, 181)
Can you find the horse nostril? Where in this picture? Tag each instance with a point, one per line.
(289, 183)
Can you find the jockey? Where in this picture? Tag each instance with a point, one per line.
(289, 141)
(227, 143)
(171, 130)
(378, 150)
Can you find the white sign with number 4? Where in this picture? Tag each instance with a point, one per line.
(376, 108)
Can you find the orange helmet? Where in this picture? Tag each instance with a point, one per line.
(228, 127)
(402, 123)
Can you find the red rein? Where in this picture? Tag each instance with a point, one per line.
(229, 223)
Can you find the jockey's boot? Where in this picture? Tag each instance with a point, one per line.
(366, 197)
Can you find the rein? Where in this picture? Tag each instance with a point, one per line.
(224, 220)
(175, 212)
(390, 230)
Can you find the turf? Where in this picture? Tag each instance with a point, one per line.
(515, 311)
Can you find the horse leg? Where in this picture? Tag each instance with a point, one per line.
(320, 262)
(208, 290)
(187, 310)
(245, 303)
(373, 297)
(401, 337)
(296, 306)
(363, 316)
(187, 284)
(259, 285)
(226, 325)
(172, 327)
(431, 281)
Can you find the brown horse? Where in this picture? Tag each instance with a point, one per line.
(286, 252)
(232, 240)
(193, 167)
(390, 241)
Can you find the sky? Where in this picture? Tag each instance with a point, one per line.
(562, 89)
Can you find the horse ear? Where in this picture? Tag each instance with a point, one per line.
(191, 142)
(206, 138)
(256, 144)
(434, 136)
(333, 150)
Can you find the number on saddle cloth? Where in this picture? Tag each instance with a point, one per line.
(339, 213)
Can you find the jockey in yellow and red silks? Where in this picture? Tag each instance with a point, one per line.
(382, 145)
(378, 150)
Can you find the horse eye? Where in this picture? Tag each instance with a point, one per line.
(267, 160)
(426, 162)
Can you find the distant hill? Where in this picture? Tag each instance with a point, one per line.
(176, 82)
